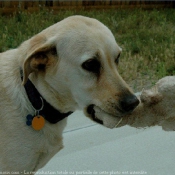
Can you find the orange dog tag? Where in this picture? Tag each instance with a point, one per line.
(38, 122)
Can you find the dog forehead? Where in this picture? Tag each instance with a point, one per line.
(84, 22)
(79, 38)
(83, 27)
(78, 28)
(83, 36)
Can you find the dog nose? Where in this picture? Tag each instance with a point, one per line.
(129, 103)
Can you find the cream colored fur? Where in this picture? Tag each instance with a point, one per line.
(157, 107)
(61, 48)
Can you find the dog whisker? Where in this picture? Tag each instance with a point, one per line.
(118, 123)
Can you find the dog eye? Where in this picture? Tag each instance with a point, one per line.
(117, 59)
(91, 65)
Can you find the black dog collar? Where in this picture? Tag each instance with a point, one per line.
(41, 106)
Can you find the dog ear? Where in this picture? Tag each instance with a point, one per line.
(41, 55)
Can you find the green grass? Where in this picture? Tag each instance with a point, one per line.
(146, 37)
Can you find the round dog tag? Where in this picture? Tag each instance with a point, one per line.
(38, 122)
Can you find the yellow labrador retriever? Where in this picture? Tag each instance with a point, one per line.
(70, 65)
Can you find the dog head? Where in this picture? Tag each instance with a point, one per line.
(77, 59)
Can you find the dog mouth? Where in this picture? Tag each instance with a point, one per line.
(112, 117)
(101, 117)
(91, 112)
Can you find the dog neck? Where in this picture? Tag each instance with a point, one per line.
(51, 114)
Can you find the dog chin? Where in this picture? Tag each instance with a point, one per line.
(98, 115)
